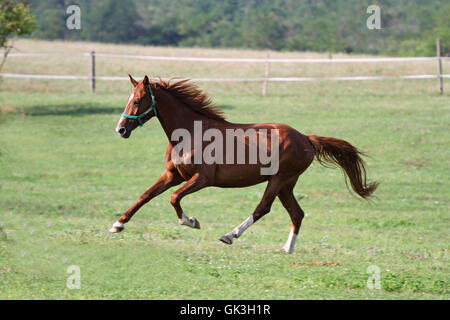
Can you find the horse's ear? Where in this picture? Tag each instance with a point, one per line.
(146, 81)
(134, 82)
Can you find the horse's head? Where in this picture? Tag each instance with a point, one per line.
(139, 109)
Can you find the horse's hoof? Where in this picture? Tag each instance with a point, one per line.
(190, 222)
(115, 230)
(196, 224)
(285, 250)
(226, 239)
(117, 227)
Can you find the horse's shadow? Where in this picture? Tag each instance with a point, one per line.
(225, 106)
(79, 110)
(70, 110)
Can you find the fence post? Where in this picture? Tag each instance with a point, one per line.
(266, 76)
(93, 71)
(439, 60)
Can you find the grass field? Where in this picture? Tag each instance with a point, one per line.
(65, 177)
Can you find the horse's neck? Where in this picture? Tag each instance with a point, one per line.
(173, 114)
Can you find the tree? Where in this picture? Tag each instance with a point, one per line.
(112, 21)
(16, 19)
(264, 31)
(408, 27)
(50, 19)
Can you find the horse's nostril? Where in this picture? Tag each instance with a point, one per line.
(122, 131)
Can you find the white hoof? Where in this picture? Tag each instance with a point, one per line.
(117, 227)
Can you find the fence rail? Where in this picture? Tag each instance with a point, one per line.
(274, 79)
(239, 60)
(265, 80)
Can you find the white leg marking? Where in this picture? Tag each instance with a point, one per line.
(236, 233)
(242, 227)
(290, 243)
(117, 227)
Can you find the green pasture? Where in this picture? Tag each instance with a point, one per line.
(65, 177)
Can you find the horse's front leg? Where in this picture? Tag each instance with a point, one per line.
(194, 184)
(167, 180)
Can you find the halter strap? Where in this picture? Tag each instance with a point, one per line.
(139, 117)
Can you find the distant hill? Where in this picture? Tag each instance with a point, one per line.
(408, 27)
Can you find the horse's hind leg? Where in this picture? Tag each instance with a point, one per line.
(263, 208)
(296, 213)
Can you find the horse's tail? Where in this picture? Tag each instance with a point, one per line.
(336, 152)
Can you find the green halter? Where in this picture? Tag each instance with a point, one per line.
(139, 117)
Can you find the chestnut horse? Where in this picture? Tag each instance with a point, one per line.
(180, 104)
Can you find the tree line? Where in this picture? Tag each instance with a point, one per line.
(408, 27)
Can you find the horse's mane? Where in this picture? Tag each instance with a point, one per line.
(193, 97)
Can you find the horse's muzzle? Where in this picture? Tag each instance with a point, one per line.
(123, 132)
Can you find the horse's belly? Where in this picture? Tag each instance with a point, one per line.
(236, 176)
